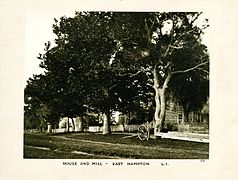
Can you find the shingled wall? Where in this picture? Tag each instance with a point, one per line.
(174, 113)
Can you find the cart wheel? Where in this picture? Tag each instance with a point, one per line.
(143, 133)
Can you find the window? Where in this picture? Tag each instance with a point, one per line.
(180, 117)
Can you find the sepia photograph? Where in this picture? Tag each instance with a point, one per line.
(117, 85)
(129, 89)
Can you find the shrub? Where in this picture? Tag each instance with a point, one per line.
(172, 127)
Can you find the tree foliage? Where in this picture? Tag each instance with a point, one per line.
(107, 61)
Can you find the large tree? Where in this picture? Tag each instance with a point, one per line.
(79, 64)
(191, 89)
(38, 102)
(149, 42)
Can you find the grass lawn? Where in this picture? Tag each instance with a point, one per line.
(97, 146)
(31, 152)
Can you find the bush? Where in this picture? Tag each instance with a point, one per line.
(172, 127)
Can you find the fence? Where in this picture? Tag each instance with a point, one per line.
(116, 128)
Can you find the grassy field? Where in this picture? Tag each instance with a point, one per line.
(97, 146)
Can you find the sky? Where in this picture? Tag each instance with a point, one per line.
(38, 30)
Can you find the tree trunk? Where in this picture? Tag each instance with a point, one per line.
(107, 115)
(129, 116)
(49, 128)
(80, 126)
(185, 113)
(200, 115)
(160, 100)
(157, 101)
(73, 125)
(67, 125)
(197, 116)
(192, 119)
(106, 124)
(123, 127)
(162, 107)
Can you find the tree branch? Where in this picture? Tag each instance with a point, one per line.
(203, 70)
(171, 40)
(165, 85)
(134, 74)
(196, 17)
(148, 31)
(176, 47)
(147, 84)
(130, 74)
(190, 69)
